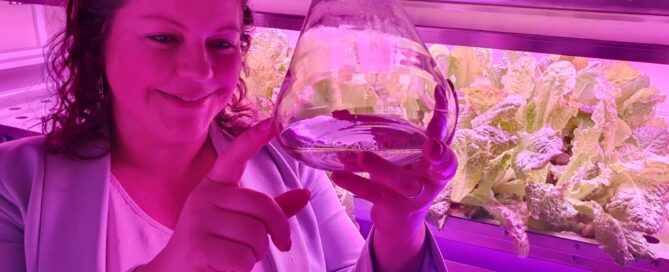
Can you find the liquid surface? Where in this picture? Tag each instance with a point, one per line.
(333, 143)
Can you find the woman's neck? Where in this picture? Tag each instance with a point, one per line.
(158, 175)
(151, 156)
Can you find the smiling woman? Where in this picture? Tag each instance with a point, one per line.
(181, 61)
(150, 161)
(148, 34)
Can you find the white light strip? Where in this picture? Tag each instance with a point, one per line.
(550, 22)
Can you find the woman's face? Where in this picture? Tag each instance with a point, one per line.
(173, 65)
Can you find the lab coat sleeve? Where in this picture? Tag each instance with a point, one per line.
(11, 232)
(18, 161)
(344, 247)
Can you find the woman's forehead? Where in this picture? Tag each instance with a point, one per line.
(209, 13)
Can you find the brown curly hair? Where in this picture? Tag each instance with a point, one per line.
(76, 71)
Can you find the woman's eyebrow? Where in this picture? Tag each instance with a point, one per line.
(158, 17)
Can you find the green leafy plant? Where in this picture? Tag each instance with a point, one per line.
(267, 61)
(559, 144)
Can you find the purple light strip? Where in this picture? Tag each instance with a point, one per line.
(644, 7)
(485, 245)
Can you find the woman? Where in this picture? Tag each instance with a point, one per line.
(139, 169)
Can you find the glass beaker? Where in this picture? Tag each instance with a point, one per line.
(361, 79)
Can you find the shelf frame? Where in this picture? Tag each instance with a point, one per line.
(612, 50)
(465, 241)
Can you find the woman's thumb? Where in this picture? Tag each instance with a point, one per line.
(293, 201)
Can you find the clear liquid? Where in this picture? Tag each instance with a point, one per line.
(333, 143)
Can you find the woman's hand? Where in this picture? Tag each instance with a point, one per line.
(223, 227)
(401, 196)
(405, 193)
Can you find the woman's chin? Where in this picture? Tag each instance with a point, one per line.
(184, 131)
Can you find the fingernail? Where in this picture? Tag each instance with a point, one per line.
(290, 245)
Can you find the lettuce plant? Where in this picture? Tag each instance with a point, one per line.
(559, 144)
(556, 143)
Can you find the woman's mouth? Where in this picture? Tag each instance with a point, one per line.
(187, 101)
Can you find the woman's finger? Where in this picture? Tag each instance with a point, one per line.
(448, 165)
(293, 201)
(380, 170)
(438, 170)
(359, 186)
(215, 259)
(254, 204)
(434, 150)
(230, 166)
(437, 128)
(239, 228)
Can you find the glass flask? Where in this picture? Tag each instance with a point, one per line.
(361, 79)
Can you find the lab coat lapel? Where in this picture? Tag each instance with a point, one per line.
(74, 214)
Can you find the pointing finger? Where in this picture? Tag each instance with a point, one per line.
(230, 165)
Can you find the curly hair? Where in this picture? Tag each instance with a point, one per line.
(76, 70)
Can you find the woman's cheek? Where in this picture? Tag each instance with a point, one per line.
(227, 69)
(159, 63)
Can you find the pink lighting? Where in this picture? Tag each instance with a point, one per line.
(506, 208)
(21, 34)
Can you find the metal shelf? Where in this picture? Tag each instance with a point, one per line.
(634, 30)
(630, 51)
(643, 7)
(21, 58)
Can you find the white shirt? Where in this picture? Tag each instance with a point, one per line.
(133, 237)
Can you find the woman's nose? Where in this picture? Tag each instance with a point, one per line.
(194, 64)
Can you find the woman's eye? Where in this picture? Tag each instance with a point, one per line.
(221, 44)
(164, 39)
